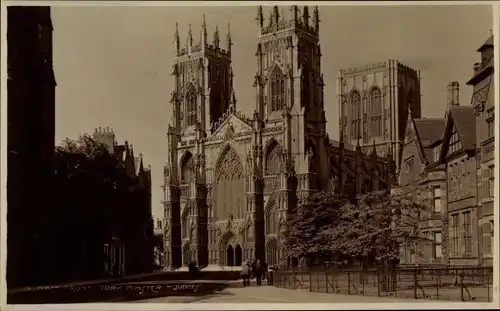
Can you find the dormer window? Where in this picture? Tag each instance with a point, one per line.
(455, 143)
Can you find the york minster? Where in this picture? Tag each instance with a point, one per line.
(231, 179)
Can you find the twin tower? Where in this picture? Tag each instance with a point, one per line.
(203, 84)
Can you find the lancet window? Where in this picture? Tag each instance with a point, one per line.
(187, 169)
(355, 105)
(191, 108)
(271, 219)
(277, 85)
(273, 160)
(376, 112)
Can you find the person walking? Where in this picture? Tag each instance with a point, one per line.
(245, 273)
(257, 271)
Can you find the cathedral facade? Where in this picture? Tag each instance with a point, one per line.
(232, 180)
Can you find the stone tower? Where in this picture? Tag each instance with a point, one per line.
(373, 105)
(202, 92)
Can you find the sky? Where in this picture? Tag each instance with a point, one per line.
(113, 64)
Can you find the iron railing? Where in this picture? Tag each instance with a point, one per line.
(444, 283)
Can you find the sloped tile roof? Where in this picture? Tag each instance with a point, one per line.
(429, 130)
(465, 121)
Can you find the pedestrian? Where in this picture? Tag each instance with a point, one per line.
(257, 271)
(245, 273)
(265, 272)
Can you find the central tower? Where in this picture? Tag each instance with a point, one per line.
(289, 88)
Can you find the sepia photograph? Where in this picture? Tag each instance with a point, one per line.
(225, 152)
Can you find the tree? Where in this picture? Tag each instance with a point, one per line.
(367, 229)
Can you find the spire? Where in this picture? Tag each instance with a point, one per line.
(216, 36)
(260, 16)
(276, 15)
(190, 36)
(305, 16)
(177, 41)
(295, 13)
(316, 18)
(204, 26)
(229, 39)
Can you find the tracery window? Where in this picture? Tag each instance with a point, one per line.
(277, 84)
(230, 187)
(191, 108)
(305, 90)
(273, 160)
(187, 169)
(376, 112)
(271, 219)
(355, 103)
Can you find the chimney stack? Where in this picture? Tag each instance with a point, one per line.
(453, 94)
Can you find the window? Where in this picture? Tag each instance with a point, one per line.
(455, 143)
(436, 245)
(355, 103)
(487, 229)
(467, 231)
(455, 231)
(191, 108)
(376, 112)
(277, 89)
(436, 153)
(491, 181)
(409, 169)
(436, 199)
(158, 224)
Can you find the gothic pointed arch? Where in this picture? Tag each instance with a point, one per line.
(185, 225)
(271, 219)
(191, 106)
(187, 167)
(272, 251)
(272, 158)
(375, 111)
(230, 185)
(276, 88)
(355, 113)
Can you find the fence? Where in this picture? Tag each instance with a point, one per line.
(450, 283)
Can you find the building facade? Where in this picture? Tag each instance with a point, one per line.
(231, 180)
(373, 104)
(133, 253)
(447, 165)
(31, 133)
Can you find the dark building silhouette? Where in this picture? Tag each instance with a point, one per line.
(31, 109)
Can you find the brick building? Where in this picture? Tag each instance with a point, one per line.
(447, 165)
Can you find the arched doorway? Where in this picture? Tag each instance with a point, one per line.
(230, 255)
(237, 255)
(272, 252)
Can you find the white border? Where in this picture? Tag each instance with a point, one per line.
(240, 306)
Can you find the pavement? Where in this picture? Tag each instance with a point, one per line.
(271, 294)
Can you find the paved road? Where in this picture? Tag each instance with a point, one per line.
(271, 294)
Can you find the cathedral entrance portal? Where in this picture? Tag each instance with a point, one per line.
(237, 256)
(230, 255)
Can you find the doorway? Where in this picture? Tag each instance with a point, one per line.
(230, 256)
(237, 255)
